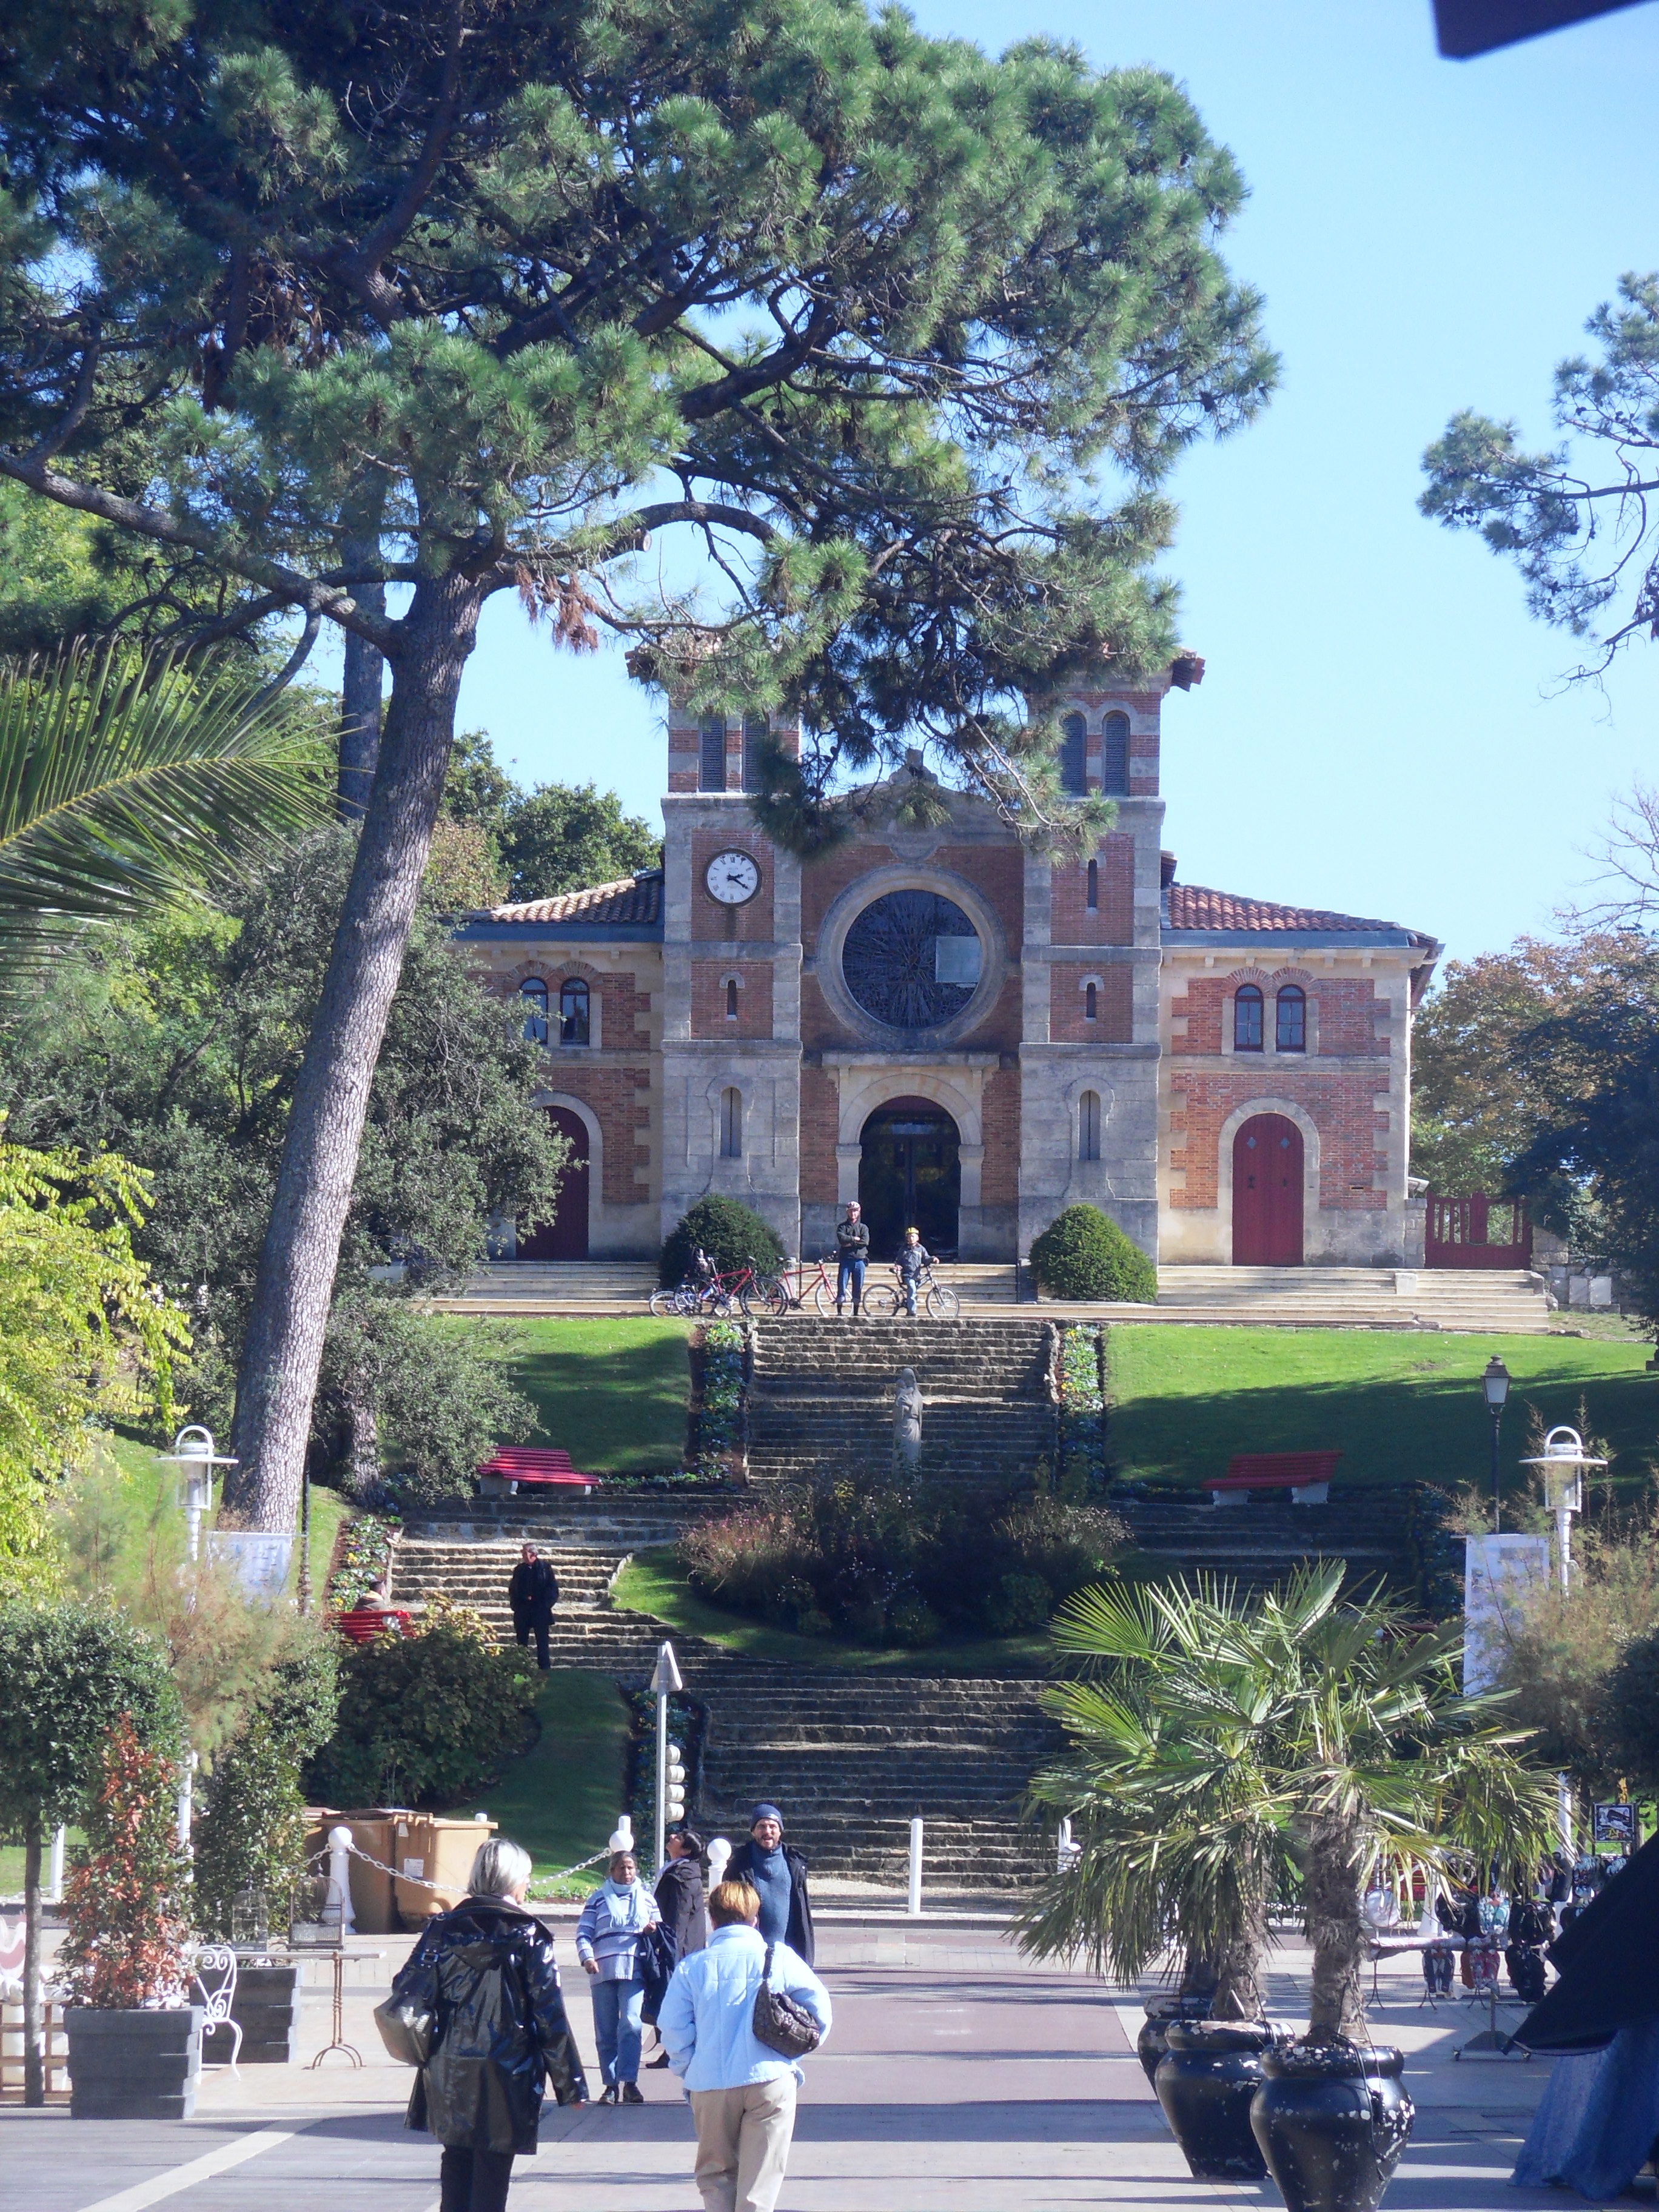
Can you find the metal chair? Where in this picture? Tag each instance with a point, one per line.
(214, 1976)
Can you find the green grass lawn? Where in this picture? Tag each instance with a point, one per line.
(561, 1801)
(1399, 1405)
(610, 1393)
(655, 1582)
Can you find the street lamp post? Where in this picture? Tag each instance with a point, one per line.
(193, 1450)
(1564, 1460)
(1495, 1384)
(670, 1773)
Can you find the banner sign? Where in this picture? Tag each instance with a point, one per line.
(1616, 1824)
(1500, 1575)
(259, 1561)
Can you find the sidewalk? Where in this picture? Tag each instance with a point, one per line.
(959, 2078)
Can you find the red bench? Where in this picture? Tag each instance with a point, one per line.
(514, 1466)
(365, 1622)
(1306, 1475)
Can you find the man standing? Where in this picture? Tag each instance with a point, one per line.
(742, 2092)
(852, 1253)
(777, 1872)
(532, 1593)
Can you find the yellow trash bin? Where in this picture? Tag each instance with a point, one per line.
(433, 1848)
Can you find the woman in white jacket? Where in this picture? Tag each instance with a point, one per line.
(742, 2093)
(608, 1946)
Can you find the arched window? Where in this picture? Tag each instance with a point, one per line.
(1073, 746)
(712, 775)
(755, 729)
(533, 991)
(573, 1011)
(732, 1124)
(1115, 756)
(1091, 896)
(1091, 1003)
(1290, 1025)
(1088, 1126)
(730, 998)
(1247, 1018)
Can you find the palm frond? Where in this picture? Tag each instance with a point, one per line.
(129, 781)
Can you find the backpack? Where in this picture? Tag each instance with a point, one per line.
(779, 2022)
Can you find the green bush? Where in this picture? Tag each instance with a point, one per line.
(1082, 1254)
(729, 1232)
(425, 1718)
(251, 1834)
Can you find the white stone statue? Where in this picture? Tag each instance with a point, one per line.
(907, 1421)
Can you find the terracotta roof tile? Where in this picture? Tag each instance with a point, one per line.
(631, 898)
(1191, 906)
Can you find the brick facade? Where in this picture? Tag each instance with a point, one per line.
(1341, 1107)
(1068, 1007)
(820, 1115)
(1111, 920)
(710, 999)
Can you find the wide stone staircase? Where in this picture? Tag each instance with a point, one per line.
(850, 1757)
(820, 1396)
(1508, 1301)
(1261, 1542)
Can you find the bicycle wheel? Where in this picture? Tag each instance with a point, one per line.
(764, 1294)
(824, 1297)
(943, 1303)
(664, 1302)
(881, 1303)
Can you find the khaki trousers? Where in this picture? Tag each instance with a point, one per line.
(743, 2144)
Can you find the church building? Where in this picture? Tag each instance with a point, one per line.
(964, 1034)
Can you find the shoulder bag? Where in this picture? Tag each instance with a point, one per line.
(779, 2022)
(408, 2020)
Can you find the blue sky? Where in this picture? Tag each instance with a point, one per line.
(1381, 729)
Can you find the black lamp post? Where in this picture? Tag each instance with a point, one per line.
(1496, 1384)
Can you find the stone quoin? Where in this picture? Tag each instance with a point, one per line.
(962, 1033)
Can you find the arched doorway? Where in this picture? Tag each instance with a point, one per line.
(1267, 1193)
(564, 1237)
(910, 1175)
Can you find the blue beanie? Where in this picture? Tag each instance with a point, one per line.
(766, 1812)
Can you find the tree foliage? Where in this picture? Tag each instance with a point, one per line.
(1083, 1253)
(66, 1671)
(83, 1335)
(1224, 1746)
(556, 838)
(129, 1920)
(1579, 529)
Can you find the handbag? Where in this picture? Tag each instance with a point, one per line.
(655, 1960)
(779, 2022)
(408, 2020)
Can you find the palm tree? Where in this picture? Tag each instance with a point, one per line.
(129, 781)
(1221, 1744)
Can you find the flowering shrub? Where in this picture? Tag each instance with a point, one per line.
(365, 1555)
(128, 1924)
(1082, 1411)
(719, 1408)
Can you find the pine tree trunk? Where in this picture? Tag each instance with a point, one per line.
(283, 1349)
(360, 716)
(1335, 2009)
(34, 2071)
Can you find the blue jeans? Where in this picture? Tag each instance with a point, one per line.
(850, 1271)
(617, 2029)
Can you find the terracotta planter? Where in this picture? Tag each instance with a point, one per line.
(1209, 2073)
(1332, 2121)
(134, 2065)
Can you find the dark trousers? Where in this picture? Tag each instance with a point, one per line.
(850, 1271)
(474, 2180)
(523, 1629)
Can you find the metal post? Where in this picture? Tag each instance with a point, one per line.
(665, 1680)
(914, 1903)
(186, 1798)
(1497, 1479)
(55, 1878)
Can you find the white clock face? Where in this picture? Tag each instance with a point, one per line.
(731, 878)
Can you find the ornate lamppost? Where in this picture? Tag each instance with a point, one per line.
(1495, 1385)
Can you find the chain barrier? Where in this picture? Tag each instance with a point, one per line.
(438, 1888)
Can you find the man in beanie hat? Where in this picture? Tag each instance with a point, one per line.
(777, 1872)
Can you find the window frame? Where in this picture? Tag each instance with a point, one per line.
(757, 729)
(575, 988)
(711, 729)
(1074, 756)
(1115, 755)
(1290, 996)
(731, 1122)
(1088, 1126)
(533, 991)
(1249, 994)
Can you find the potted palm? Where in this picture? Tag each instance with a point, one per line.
(1225, 1746)
(135, 2048)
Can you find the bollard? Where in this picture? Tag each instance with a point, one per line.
(718, 1852)
(339, 1876)
(916, 1869)
(55, 1878)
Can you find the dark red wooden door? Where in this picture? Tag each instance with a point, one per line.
(1267, 1193)
(565, 1238)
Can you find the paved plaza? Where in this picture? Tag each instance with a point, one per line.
(958, 2079)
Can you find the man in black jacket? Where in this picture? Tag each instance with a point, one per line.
(532, 1593)
(776, 1871)
(852, 1256)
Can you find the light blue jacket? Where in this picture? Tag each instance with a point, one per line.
(611, 1924)
(709, 2003)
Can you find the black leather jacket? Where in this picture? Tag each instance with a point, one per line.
(502, 2029)
(680, 1901)
(532, 1591)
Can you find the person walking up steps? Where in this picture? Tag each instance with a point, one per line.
(777, 1872)
(853, 1256)
(532, 1591)
(504, 2031)
(742, 2092)
(608, 1946)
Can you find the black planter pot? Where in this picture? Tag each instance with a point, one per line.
(133, 2065)
(266, 2007)
(1332, 2121)
(1151, 2042)
(1209, 2073)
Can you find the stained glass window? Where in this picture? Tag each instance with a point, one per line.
(912, 959)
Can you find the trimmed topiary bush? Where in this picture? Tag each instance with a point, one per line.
(729, 1232)
(1083, 1254)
